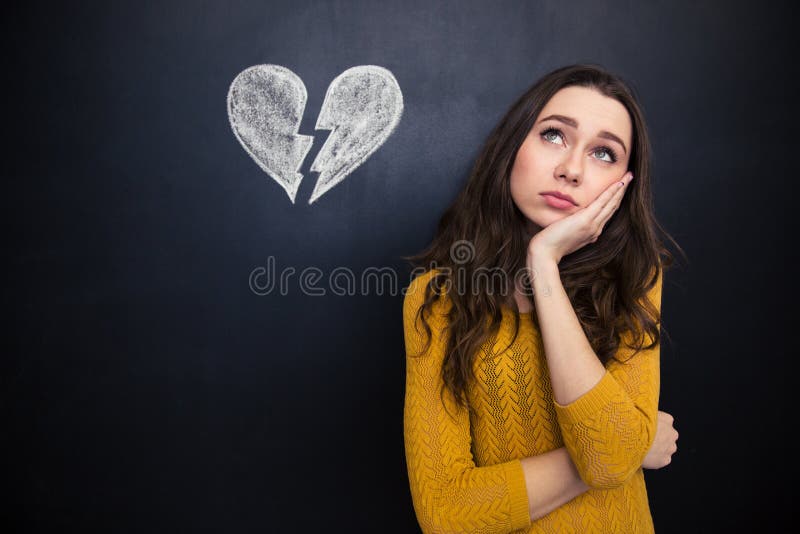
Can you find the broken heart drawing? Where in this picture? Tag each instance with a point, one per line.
(266, 103)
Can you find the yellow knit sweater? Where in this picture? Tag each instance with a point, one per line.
(466, 475)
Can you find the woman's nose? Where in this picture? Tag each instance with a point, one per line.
(571, 169)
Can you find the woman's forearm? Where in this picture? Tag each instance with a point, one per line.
(551, 480)
(574, 367)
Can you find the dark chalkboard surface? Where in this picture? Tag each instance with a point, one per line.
(152, 384)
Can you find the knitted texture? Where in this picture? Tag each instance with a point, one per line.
(465, 473)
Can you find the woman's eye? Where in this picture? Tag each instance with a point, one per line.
(611, 157)
(603, 151)
(551, 135)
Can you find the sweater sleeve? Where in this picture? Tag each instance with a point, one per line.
(449, 493)
(610, 428)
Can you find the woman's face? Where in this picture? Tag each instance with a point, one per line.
(578, 146)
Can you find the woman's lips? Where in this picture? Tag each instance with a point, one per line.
(558, 203)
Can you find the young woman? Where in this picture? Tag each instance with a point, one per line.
(532, 334)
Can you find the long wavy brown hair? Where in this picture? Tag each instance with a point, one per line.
(605, 280)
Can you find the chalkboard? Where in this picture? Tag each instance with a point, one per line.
(184, 351)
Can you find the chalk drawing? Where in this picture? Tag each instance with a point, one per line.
(265, 107)
(362, 107)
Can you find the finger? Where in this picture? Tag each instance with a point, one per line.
(594, 209)
(609, 209)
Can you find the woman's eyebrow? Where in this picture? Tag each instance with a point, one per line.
(572, 122)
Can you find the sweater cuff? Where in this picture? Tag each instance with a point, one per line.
(590, 403)
(518, 495)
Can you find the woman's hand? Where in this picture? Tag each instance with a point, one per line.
(664, 446)
(580, 228)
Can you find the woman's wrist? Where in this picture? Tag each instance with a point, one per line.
(542, 268)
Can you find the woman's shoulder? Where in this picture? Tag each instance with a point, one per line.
(424, 277)
(419, 282)
(416, 290)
